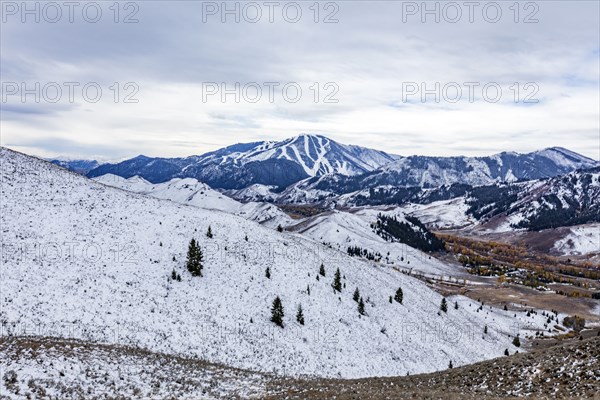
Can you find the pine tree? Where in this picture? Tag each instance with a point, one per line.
(361, 306)
(209, 233)
(444, 305)
(279, 228)
(277, 312)
(173, 275)
(505, 308)
(308, 289)
(194, 259)
(506, 352)
(337, 281)
(356, 295)
(399, 296)
(456, 305)
(391, 300)
(246, 238)
(450, 366)
(322, 270)
(268, 273)
(516, 341)
(300, 315)
(485, 331)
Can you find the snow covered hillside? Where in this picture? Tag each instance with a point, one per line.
(583, 239)
(191, 192)
(341, 230)
(85, 260)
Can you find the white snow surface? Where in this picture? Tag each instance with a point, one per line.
(444, 214)
(581, 240)
(85, 260)
(341, 230)
(190, 191)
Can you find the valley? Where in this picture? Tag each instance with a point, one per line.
(469, 292)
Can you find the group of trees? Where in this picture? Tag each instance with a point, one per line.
(355, 251)
(277, 313)
(420, 238)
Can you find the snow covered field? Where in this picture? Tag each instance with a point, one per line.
(84, 260)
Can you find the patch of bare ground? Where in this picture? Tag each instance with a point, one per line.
(518, 297)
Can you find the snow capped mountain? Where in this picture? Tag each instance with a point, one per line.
(267, 163)
(571, 199)
(88, 261)
(316, 154)
(314, 163)
(80, 166)
(431, 172)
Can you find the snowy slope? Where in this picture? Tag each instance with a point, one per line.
(85, 260)
(191, 192)
(444, 214)
(341, 230)
(583, 239)
(185, 191)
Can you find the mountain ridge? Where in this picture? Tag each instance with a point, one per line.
(340, 168)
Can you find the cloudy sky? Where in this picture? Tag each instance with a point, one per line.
(351, 70)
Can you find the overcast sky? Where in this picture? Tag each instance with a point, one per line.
(180, 54)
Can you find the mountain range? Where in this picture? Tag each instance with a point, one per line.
(317, 163)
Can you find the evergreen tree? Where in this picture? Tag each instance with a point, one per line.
(300, 315)
(485, 331)
(361, 306)
(209, 233)
(337, 281)
(322, 270)
(277, 312)
(399, 296)
(356, 295)
(194, 259)
(279, 228)
(268, 273)
(450, 365)
(505, 308)
(456, 305)
(505, 352)
(516, 341)
(444, 305)
(174, 275)
(246, 238)
(391, 300)
(308, 289)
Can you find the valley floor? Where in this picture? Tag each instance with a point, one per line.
(48, 368)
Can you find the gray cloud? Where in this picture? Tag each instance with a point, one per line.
(369, 53)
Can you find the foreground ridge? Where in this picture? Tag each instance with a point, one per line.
(566, 371)
(49, 367)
